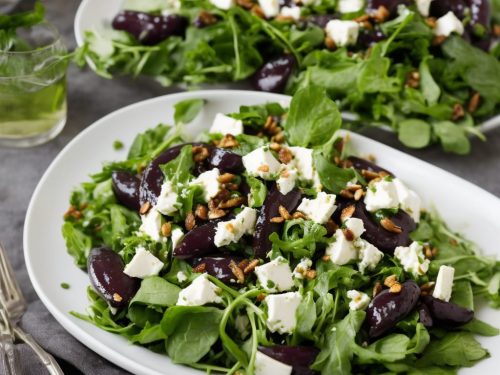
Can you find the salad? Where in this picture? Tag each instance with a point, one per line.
(428, 68)
(266, 246)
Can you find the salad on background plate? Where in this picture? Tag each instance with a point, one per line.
(266, 246)
(427, 68)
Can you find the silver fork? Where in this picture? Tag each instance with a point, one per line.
(12, 300)
(9, 361)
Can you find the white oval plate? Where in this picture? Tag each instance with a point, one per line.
(466, 207)
(97, 15)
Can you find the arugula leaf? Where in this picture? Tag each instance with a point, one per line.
(300, 237)
(454, 349)
(373, 76)
(77, 243)
(430, 89)
(306, 315)
(313, 118)
(414, 133)
(481, 328)
(191, 331)
(23, 19)
(332, 178)
(187, 110)
(178, 170)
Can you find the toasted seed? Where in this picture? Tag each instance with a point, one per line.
(285, 155)
(354, 187)
(190, 221)
(496, 30)
(277, 219)
(145, 208)
(225, 178)
(260, 297)
(427, 287)
(344, 193)
(377, 288)
(381, 14)
(279, 138)
(251, 266)
(263, 168)
(200, 153)
(200, 268)
(275, 146)
(325, 258)
(240, 276)
(438, 40)
(458, 112)
(359, 194)
(201, 212)
(228, 142)
(390, 280)
(233, 202)
(369, 175)
(389, 225)
(243, 263)
(299, 215)
(73, 212)
(207, 18)
(216, 213)
(395, 288)
(347, 212)
(247, 4)
(257, 11)
(431, 22)
(166, 229)
(474, 102)
(349, 236)
(117, 297)
(331, 227)
(330, 43)
(366, 25)
(310, 274)
(284, 213)
(364, 17)
(269, 122)
(434, 251)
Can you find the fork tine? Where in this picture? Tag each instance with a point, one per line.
(10, 291)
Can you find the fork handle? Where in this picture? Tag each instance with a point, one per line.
(9, 359)
(47, 359)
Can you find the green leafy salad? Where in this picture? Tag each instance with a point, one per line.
(429, 69)
(267, 247)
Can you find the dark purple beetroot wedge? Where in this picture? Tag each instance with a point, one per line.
(360, 164)
(381, 238)
(273, 75)
(439, 8)
(264, 227)
(126, 188)
(219, 267)
(321, 20)
(153, 177)
(424, 315)
(150, 29)
(105, 268)
(387, 309)
(299, 357)
(197, 242)
(447, 314)
(226, 161)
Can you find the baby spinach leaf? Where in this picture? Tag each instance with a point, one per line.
(390, 348)
(452, 137)
(191, 331)
(332, 178)
(481, 328)
(414, 133)
(156, 291)
(187, 110)
(313, 118)
(306, 315)
(462, 294)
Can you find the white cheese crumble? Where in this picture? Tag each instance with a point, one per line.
(381, 195)
(448, 24)
(343, 33)
(287, 179)
(409, 200)
(223, 4)
(270, 8)
(209, 182)
(319, 209)
(181, 276)
(176, 236)
(424, 7)
(151, 224)
(143, 264)
(355, 225)
(167, 200)
(292, 12)
(412, 259)
(350, 6)
(281, 314)
(261, 163)
(275, 276)
(233, 230)
(341, 251)
(369, 255)
(359, 300)
(265, 365)
(300, 269)
(226, 125)
(444, 283)
(200, 292)
(304, 163)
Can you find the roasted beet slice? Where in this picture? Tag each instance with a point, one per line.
(273, 75)
(321, 19)
(126, 188)
(152, 178)
(218, 267)
(391, 5)
(197, 242)
(226, 161)
(360, 164)
(424, 315)
(387, 308)
(381, 238)
(150, 29)
(447, 314)
(299, 357)
(439, 8)
(105, 268)
(264, 227)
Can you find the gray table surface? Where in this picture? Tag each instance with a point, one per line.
(90, 98)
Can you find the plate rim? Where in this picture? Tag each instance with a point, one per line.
(485, 127)
(63, 318)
